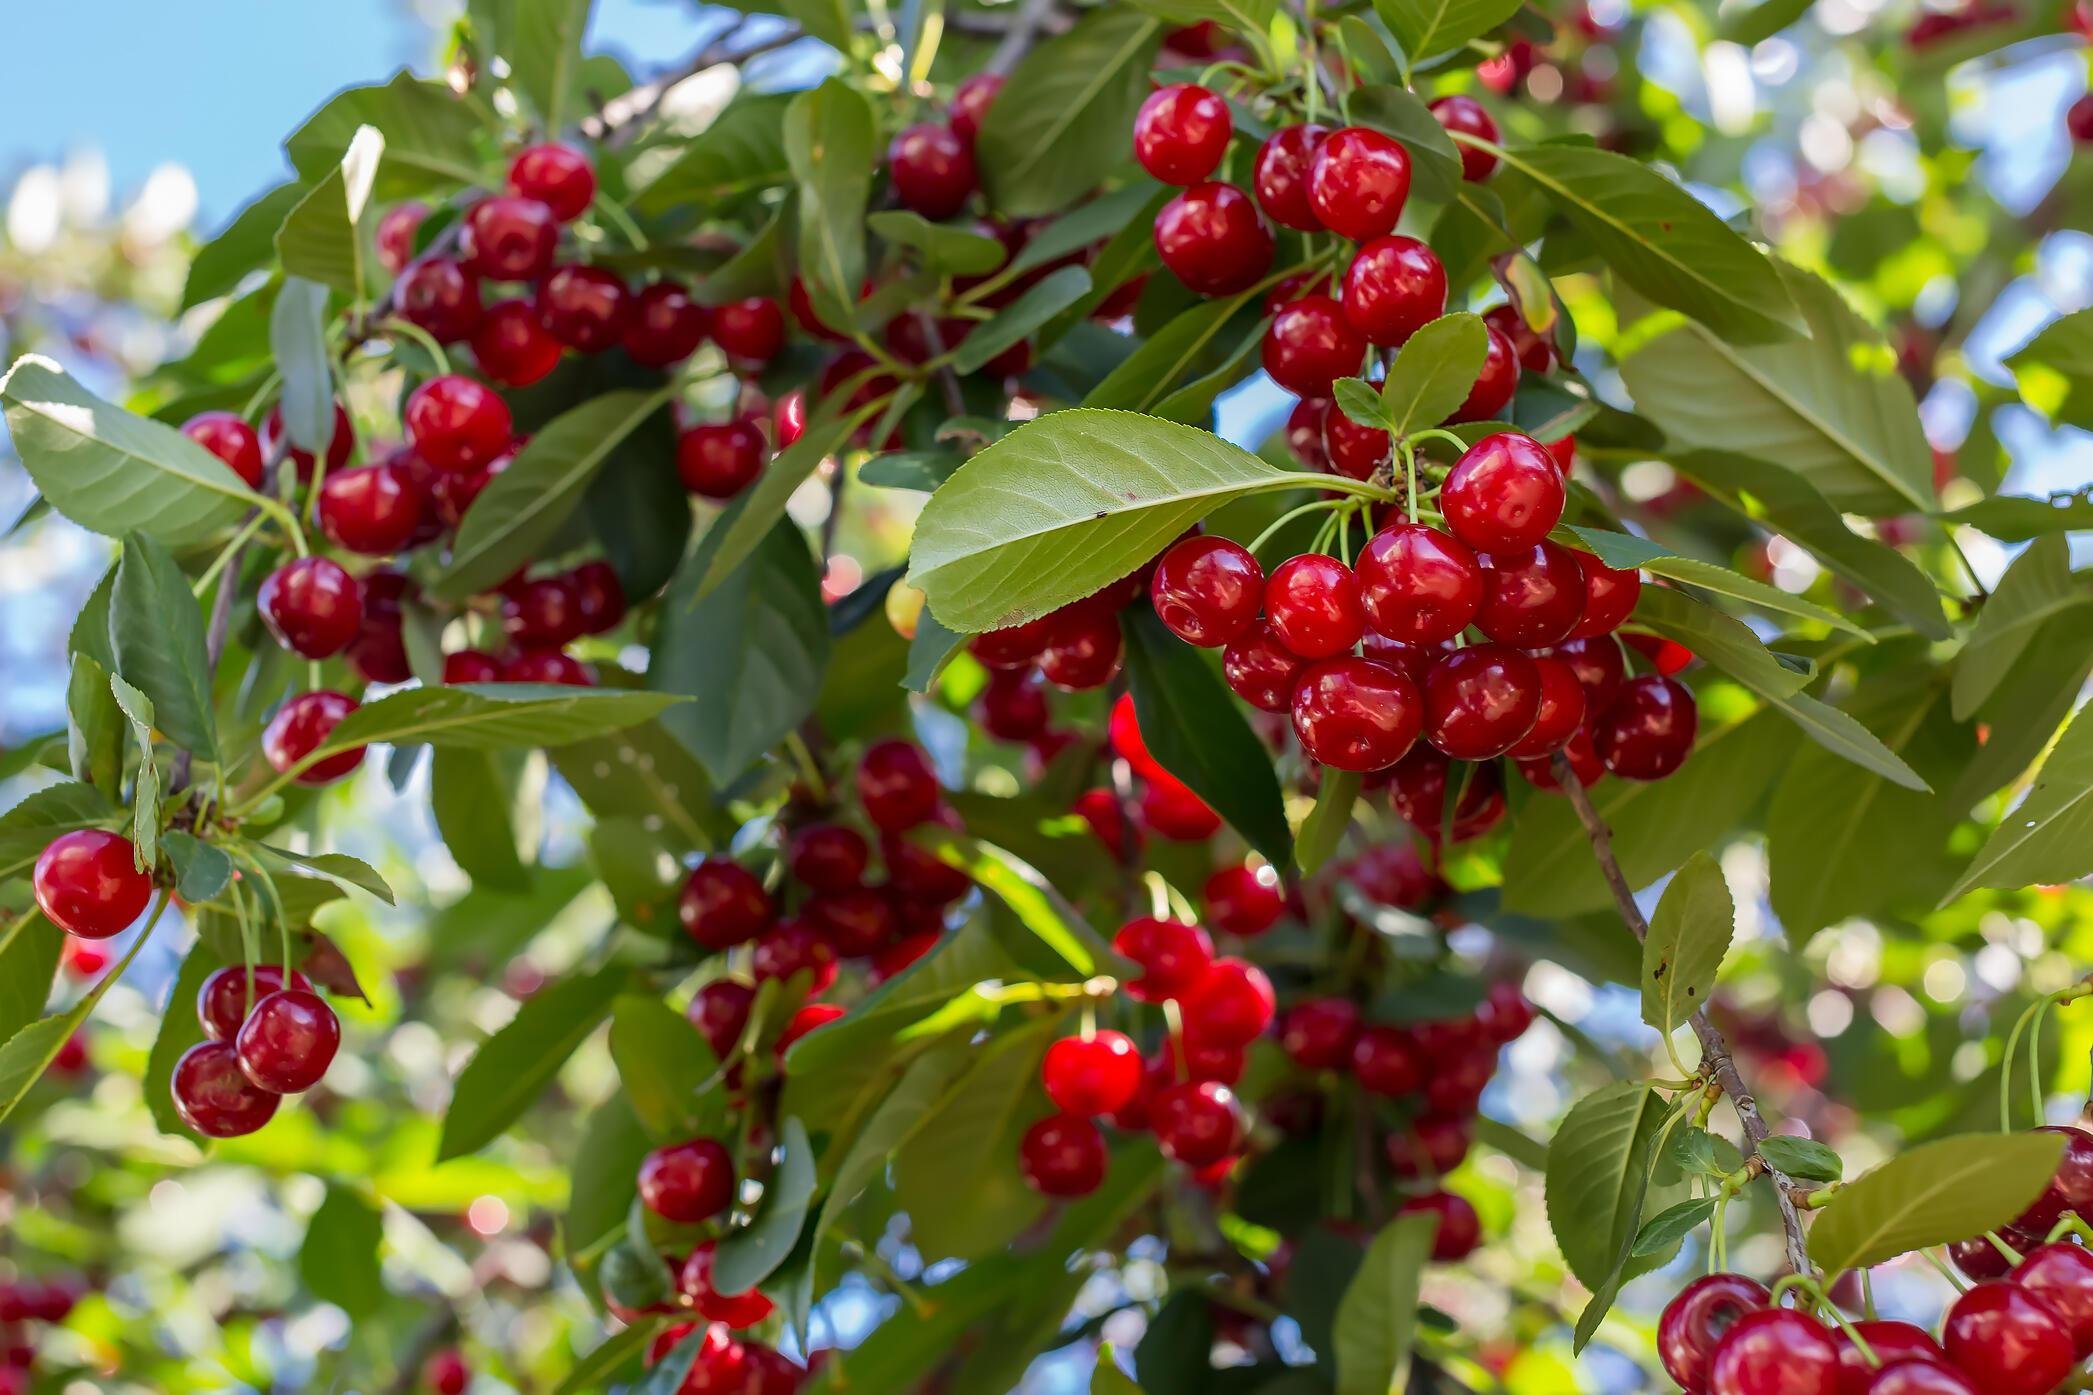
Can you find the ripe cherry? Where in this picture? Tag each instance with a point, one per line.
(1503, 495)
(300, 727)
(2061, 1275)
(1647, 731)
(1535, 354)
(372, 509)
(1394, 287)
(719, 459)
(794, 947)
(547, 666)
(1916, 1378)
(897, 786)
(918, 874)
(457, 424)
(809, 1018)
(769, 1372)
(440, 296)
(665, 326)
(1480, 701)
(1013, 707)
(1231, 1006)
(1418, 585)
(1496, 383)
(1351, 449)
(1432, 1146)
(1310, 344)
(543, 613)
(1561, 712)
(827, 857)
(1196, 1124)
(1460, 1229)
(1600, 665)
(1280, 176)
(688, 1182)
(970, 103)
(737, 1310)
(214, 1098)
(1465, 115)
(1312, 603)
(722, 904)
(1386, 1061)
(1356, 714)
(1181, 133)
(1013, 648)
(1173, 956)
(509, 238)
(932, 168)
(1774, 1351)
(2078, 120)
(228, 995)
(600, 596)
(585, 307)
(558, 176)
(1319, 1033)
(1304, 432)
(1083, 648)
(288, 1040)
(312, 606)
(1212, 239)
(720, 1012)
(2007, 1340)
(2070, 1189)
(749, 330)
(1609, 596)
(396, 232)
(1207, 590)
(232, 440)
(511, 347)
(1698, 1318)
(1893, 1343)
(1261, 670)
(1532, 597)
(1170, 809)
(1243, 900)
(1063, 1155)
(1099, 1074)
(1357, 183)
(87, 883)
(445, 1373)
(341, 440)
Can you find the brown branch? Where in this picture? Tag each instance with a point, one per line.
(1717, 1061)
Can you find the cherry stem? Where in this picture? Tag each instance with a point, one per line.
(428, 342)
(1947, 1271)
(2012, 1256)
(1434, 433)
(1289, 516)
(2006, 1068)
(616, 214)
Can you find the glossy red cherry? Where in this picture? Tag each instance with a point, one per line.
(1417, 790)
(1386, 1061)
(858, 922)
(1261, 670)
(970, 103)
(719, 459)
(214, 1098)
(2061, 1275)
(1319, 1033)
(1774, 1351)
(827, 857)
(897, 786)
(793, 947)
(300, 727)
(1503, 495)
(1600, 665)
(2070, 1189)
(721, 1366)
(932, 168)
(547, 666)
(1231, 1006)
(600, 595)
(688, 1182)
(1532, 597)
(1312, 603)
(1356, 714)
(1495, 385)
(1171, 810)
(1609, 596)
(1310, 344)
(87, 883)
(312, 606)
(1304, 432)
(1212, 239)
(1394, 287)
(509, 238)
(1418, 585)
(665, 325)
(511, 347)
(457, 424)
(1647, 731)
(1584, 763)
(1460, 1229)
(749, 330)
(1917, 1378)
(1172, 955)
(1207, 590)
(396, 230)
(440, 296)
(1698, 1318)
(722, 904)
(585, 307)
(720, 1012)
(917, 874)
(1243, 900)
(1535, 354)
(1063, 1156)
(1561, 712)
(1357, 183)
(1351, 449)
(1099, 1074)
(1013, 707)
(372, 509)
(1893, 1343)
(1479, 701)
(1196, 1124)
(1432, 1146)
(232, 440)
(558, 176)
(1280, 176)
(1083, 648)
(1014, 648)
(1463, 114)
(230, 993)
(2078, 118)
(2007, 1340)
(288, 1040)
(1181, 133)
(737, 1310)
(341, 440)
(542, 614)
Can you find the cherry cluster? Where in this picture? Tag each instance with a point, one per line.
(25, 1301)
(730, 1365)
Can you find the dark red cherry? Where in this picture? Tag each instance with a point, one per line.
(558, 176)
(1917, 1378)
(1231, 1006)
(719, 459)
(214, 1098)
(445, 1373)
(1532, 597)
(932, 169)
(471, 666)
(1416, 660)
(858, 921)
(2071, 1189)
(1243, 900)
(749, 330)
(720, 1012)
(1417, 788)
(1212, 239)
(300, 727)
(511, 347)
(440, 296)
(1774, 1351)
(396, 232)
(1016, 647)
(1465, 115)
(1304, 432)
(970, 103)
(1083, 648)
(1098, 1074)
(1318, 1034)
(1170, 809)
(1535, 353)
(547, 666)
(1312, 603)
(599, 594)
(1460, 1229)
(1479, 701)
(341, 440)
(688, 1182)
(665, 326)
(88, 883)
(737, 1310)
(1432, 1146)
(918, 875)
(1173, 956)
(1357, 182)
(288, 1040)
(1418, 585)
(1386, 1061)
(232, 440)
(1280, 176)
(827, 857)
(1609, 596)
(794, 947)
(1561, 713)
(1356, 714)
(1893, 1343)
(585, 307)
(457, 424)
(1063, 1156)
(1196, 1124)
(312, 606)
(1496, 383)
(1207, 590)
(1600, 665)
(1584, 763)
(1698, 1318)
(2061, 1275)
(1013, 707)
(1310, 344)
(1394, 287)
(230, 993)
(542, 614)
(2007, 1340)
(1181, 133)
(1647, 731)
(722, 904)
(1261, 670)
(897, 786)
(1353, 450)
(509, 238)
(1503, 495)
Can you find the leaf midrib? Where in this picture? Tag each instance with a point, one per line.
(1106, 73)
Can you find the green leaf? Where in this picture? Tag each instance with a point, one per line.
(911, 469)
(201, 870)
(1067, 504)
(2055, 370)
(339, 867)
(2027, 708)
(339, 1260)
(1200, 341)
(605, 1175)
(1377, 1318)
(1106, 1378)
(298, 340)
(512, 1067)
(1428, 28)
(112, 472)
(1831, 408)
(742, 151)
(156, 631)
(1359, 400)
(1433, 371)
(543, 46)
(1598, 1171)
(829, 135)
(1196, 732)
(1719, 638)
(1077, 230)
(1725, 582)
(1041, 301)
(748, 1256)
(471, 794)
(429, 136)
(491, 716)
(2039, 586)
(1037, 905)
(749, 654)
(30, 948)
(906, 1108)
(36, 819)
(1933, 1194)
(644, 773)
(145, 788)
(1663, 1231)
(1059, 126)
(243, 246)
(929, 650)
(2048, 838)
(1248, 18)
(1325, 826)
(954, 251)
(179, 1030)
(94, 723)
(2013, 518)
(322, 240)
(27, 1054)
(1689, 935)
(1803, 1158)
(615, 1353)
(665, 1065)
(526, 505)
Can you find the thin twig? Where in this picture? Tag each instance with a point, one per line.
(1717, 1062)
(1024, 27)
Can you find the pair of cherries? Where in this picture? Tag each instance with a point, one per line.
(931, 164)
(268, 1035)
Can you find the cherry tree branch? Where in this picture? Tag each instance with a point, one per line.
(1717, 1061)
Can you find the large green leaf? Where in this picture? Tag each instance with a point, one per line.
(242, 246)
(830, 134)
(2047, 838)
(2038, 587)
(30, 947)
(471, 797)
(1377, 1318)
(543, 46)
(748, 1256)
(1031, 898)
(323, 238)
(298, 340)
(906, 1108)
(94, 736)
(1428, 28)
(339, 1260)
(2055, 370)
(1933, 1194)
(429, 131)
(2024, 712)
(950, 973)
(743, 150)
(1689, 935)
(2017, 518)
(514, 1065)
(641, 772)
(1060, 124)
(112, 472)
(1598, 1172)
(491, 716)
(1041, 301)
(1202, 340)
(664, 1065)
(1245, 17)
(157, 633)
(603, 1179)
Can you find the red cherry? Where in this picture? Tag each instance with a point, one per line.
(1207, 590)
(723, 905)
(918, 874)
(1666, 656)
(558, 176)
(312, 606)
(1319, 1034)
(213, 1097)
(1357, 183)
(547, 666)
(1312, 603)
(1480, 701)
(1310, 344)
(750, 330)
(1356, 714)
(511, 347)
(1196, 1124)
(1699, 1317)
(1463, 114)
(1181, 133)
(372, 509)
(1417, 790)
(1063, 1156)
(440, 296)
(1584, 763)
(970, 103)
(1083, 648)
(542, 614)
(2070, 1189)
(688, 1182)
(1172, 955)
(857, 922)
(1774, 1351)
(1534, 353)
(1386, 1061)
(1212, 239)
(793, 947)
(300, 727)
(1280, 176)
(897, 786)
(1532, 597)
(341, 440)
(932, 168)
(1460, 1230)
(599, 594)
(1893, 1343)
(457, 424)
(2061, 1275)
(396, 232)
(1600, 666)
(1124, 731)
(720, 459)
(509, 238)
(770, 1373)
(1916, 1378)
(1503, 495)
(694, 1282)
(1418, 585)
(288, 1040)
(1609, 596)
(2078, 120)
(1352, 450)
(827, 857)
(1432, 1146)
(1092, 1075)
(232, 440)
(1231, 1006)
(585, 307)
(1394, 287)
(1014, 648)
(721, 1367)
(1171, 810)
(87, 883)
(1561, 712)
(227, 996)
(1647, 731)
(1013, 707)
(1495, 385)
(445, 1373)
(2007, 1340)
(1243, 900)
(665, 326)
(720, 1012)
(1304, 432)
(1261, 670)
